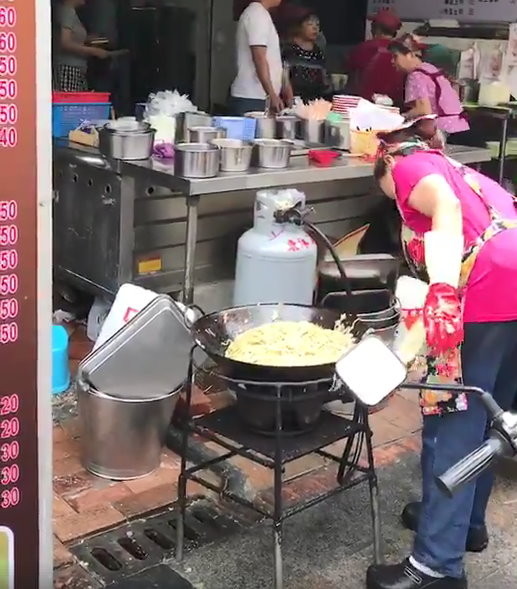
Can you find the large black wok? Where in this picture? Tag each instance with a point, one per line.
(214, 333)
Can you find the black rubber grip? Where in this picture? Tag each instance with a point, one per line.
(471, 466)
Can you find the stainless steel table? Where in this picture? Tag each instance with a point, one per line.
(505, 114)
(195, 191)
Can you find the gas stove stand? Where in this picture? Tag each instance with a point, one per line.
(225, 428)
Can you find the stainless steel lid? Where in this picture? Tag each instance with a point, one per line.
(145, 359)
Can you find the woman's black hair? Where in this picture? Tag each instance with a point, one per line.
(405, 45)
(294, 26)
(423, 131)
(398, 47)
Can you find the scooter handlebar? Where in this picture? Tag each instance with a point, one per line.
(472, 465)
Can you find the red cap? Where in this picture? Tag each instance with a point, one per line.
(387, 18)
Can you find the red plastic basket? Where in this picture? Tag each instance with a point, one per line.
(80, 97)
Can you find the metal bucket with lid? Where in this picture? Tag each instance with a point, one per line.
(128, 389)
(122, 439)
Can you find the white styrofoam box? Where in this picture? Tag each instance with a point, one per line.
(129, 301)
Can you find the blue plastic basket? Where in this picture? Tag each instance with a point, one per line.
(68, 116)
(243, 128)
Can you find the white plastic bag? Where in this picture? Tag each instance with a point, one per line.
(129, 301)
(492, 62)
(468, 68)
(96, 317)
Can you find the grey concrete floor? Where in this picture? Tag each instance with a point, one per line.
(328, 546)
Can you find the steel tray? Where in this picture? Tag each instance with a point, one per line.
(147, 358)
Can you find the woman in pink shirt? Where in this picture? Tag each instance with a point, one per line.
(460, 235)
(428, 90)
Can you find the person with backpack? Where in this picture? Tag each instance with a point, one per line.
(428, 90)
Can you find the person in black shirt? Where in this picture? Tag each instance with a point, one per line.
(302, 56)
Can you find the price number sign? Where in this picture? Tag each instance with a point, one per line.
(19, 511)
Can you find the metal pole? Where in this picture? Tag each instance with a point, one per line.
(277, 494)
(502, 152)
(182, 479)
(190, 249)
(374, 494)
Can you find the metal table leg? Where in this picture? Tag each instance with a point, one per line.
(182, 479)
(502, 150)
(277, 494)
(374, 496)
(190, 249)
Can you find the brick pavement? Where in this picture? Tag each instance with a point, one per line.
(85, 505)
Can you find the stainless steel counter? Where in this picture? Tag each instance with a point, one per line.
(117, 222)
(300, 171)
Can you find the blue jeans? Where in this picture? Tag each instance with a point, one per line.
(489, 357)
(240, 106)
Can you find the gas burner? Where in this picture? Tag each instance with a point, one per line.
(257, 403)
(279, 422)
(300, 406)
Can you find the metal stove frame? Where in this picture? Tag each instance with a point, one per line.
(222, 427)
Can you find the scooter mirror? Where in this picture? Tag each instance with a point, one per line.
(371, 371)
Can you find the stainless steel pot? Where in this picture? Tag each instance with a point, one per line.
(196, 160)
(188, 120)
(126, 145)
(235, 154)
(122, 439)
(205, 134)
(266, 125)
(468, 91)
(312, 131)
(337, 135)
(273, 153)
(286, 127)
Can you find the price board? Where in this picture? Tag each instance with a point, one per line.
(25, 189)
(489, 11)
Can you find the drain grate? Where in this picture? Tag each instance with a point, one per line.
(125, 551)
(160, 577)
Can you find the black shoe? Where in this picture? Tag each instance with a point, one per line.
(405, 576)
(477, 539)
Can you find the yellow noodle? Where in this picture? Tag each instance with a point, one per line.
(290, 343)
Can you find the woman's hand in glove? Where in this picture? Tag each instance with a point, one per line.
(443, 318)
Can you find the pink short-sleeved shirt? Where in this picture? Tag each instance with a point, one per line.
(491, 293)
(420, 86)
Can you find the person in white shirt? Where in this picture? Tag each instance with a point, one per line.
(259, 61)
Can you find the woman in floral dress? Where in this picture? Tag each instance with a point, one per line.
(460, 235)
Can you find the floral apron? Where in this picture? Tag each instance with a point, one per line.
(446, 368)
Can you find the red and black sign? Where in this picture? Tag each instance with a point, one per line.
(19, 533)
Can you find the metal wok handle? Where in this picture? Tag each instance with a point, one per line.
(332, 250)
(191, 314)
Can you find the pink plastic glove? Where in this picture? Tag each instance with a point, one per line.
(443, 318)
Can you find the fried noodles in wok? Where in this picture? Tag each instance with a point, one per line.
(290, 343)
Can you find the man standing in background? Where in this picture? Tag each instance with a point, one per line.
(370, 66)
(259, 61)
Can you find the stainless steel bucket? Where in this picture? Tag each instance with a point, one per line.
(273, 153)
(205, 134)
(127, 145)
(122, 439)
(266, 125)
(312, 132)
(338, 135)
(235, 154)
(196, 160)
(287, 127)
